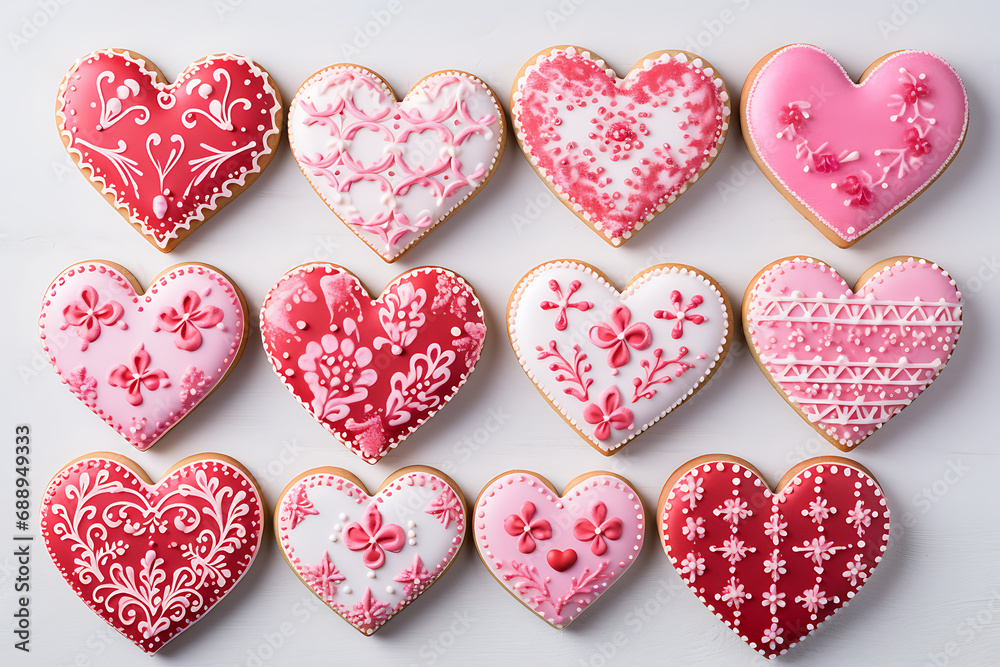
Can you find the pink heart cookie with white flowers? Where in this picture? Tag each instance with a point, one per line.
(393, 170)
(372, 371)
(168, 156)
(368, 556)
(850, 156)
(142, 361)
(152, 559)
(619, 151)
(556, 554)
(773, 566)
(848, 360)
(614, 363)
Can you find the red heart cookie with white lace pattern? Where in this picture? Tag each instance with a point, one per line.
(557, 554)
(142, 361)
(168, 156)
(372, 371)
(368, 556)
(773, 565)
(619, 151)
(151, 559)
(848, 360)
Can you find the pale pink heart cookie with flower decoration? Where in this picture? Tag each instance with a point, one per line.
(368, 556)
(372, 371)
(850, 156)
(168, 156)
(615, 151)
(848, 360)
(393, 170)
(142, 361)
(556, 554)
(614, 363)
(775, 565)
(150, 558)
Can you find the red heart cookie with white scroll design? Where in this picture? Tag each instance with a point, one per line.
(368, 556)
(142, 361)
(372, 371)
(619, 151)
(848, 360)
(773, 565)
(151, 559)
(557, 554)
(849, 156)
(393, 170)
(168, 156)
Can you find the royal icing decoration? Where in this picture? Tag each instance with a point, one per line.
(142, 361)
(848, 155)
(369, 556)
(619, 151)
(614, 363)
(773, 565)
(391, 170)
(168, 155)
(372, 371)
(151, 559)
(558, 554)
(849, 361)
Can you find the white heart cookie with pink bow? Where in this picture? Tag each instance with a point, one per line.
(393, 170)
(369, 556)
(614, 363)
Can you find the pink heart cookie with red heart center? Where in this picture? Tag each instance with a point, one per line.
(773, 566)
(848, 360)
(372, 371)
(558, 554)
(368, 556)
(142, 361)
(152, 559)
(619, 151)
(393, 170)
(168, 156)
(849, 156)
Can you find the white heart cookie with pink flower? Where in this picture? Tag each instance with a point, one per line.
(369, 556)
(614, 363)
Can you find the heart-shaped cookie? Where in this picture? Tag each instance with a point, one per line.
(848, 360)
(369, 556)
(619, 151)
(773, 566)
(614, 363)
(371, 371)
(151, 559)
(141, 361)
(556, 554)
(849, 156)
(168, 156)
(393, 170)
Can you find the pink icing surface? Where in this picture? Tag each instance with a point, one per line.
(142, 362)
(850, 362)
(853, 155)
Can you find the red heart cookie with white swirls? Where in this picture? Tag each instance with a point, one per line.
(142, 361)
(369, 556)
(847, 360)
(151, 559)
(619, 151)
(614, 363)
(168, 156)
(849, 156)
(558, 554)
(393, 170)
(773, 566)
(371, 371)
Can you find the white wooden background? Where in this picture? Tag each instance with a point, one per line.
(936, 598)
